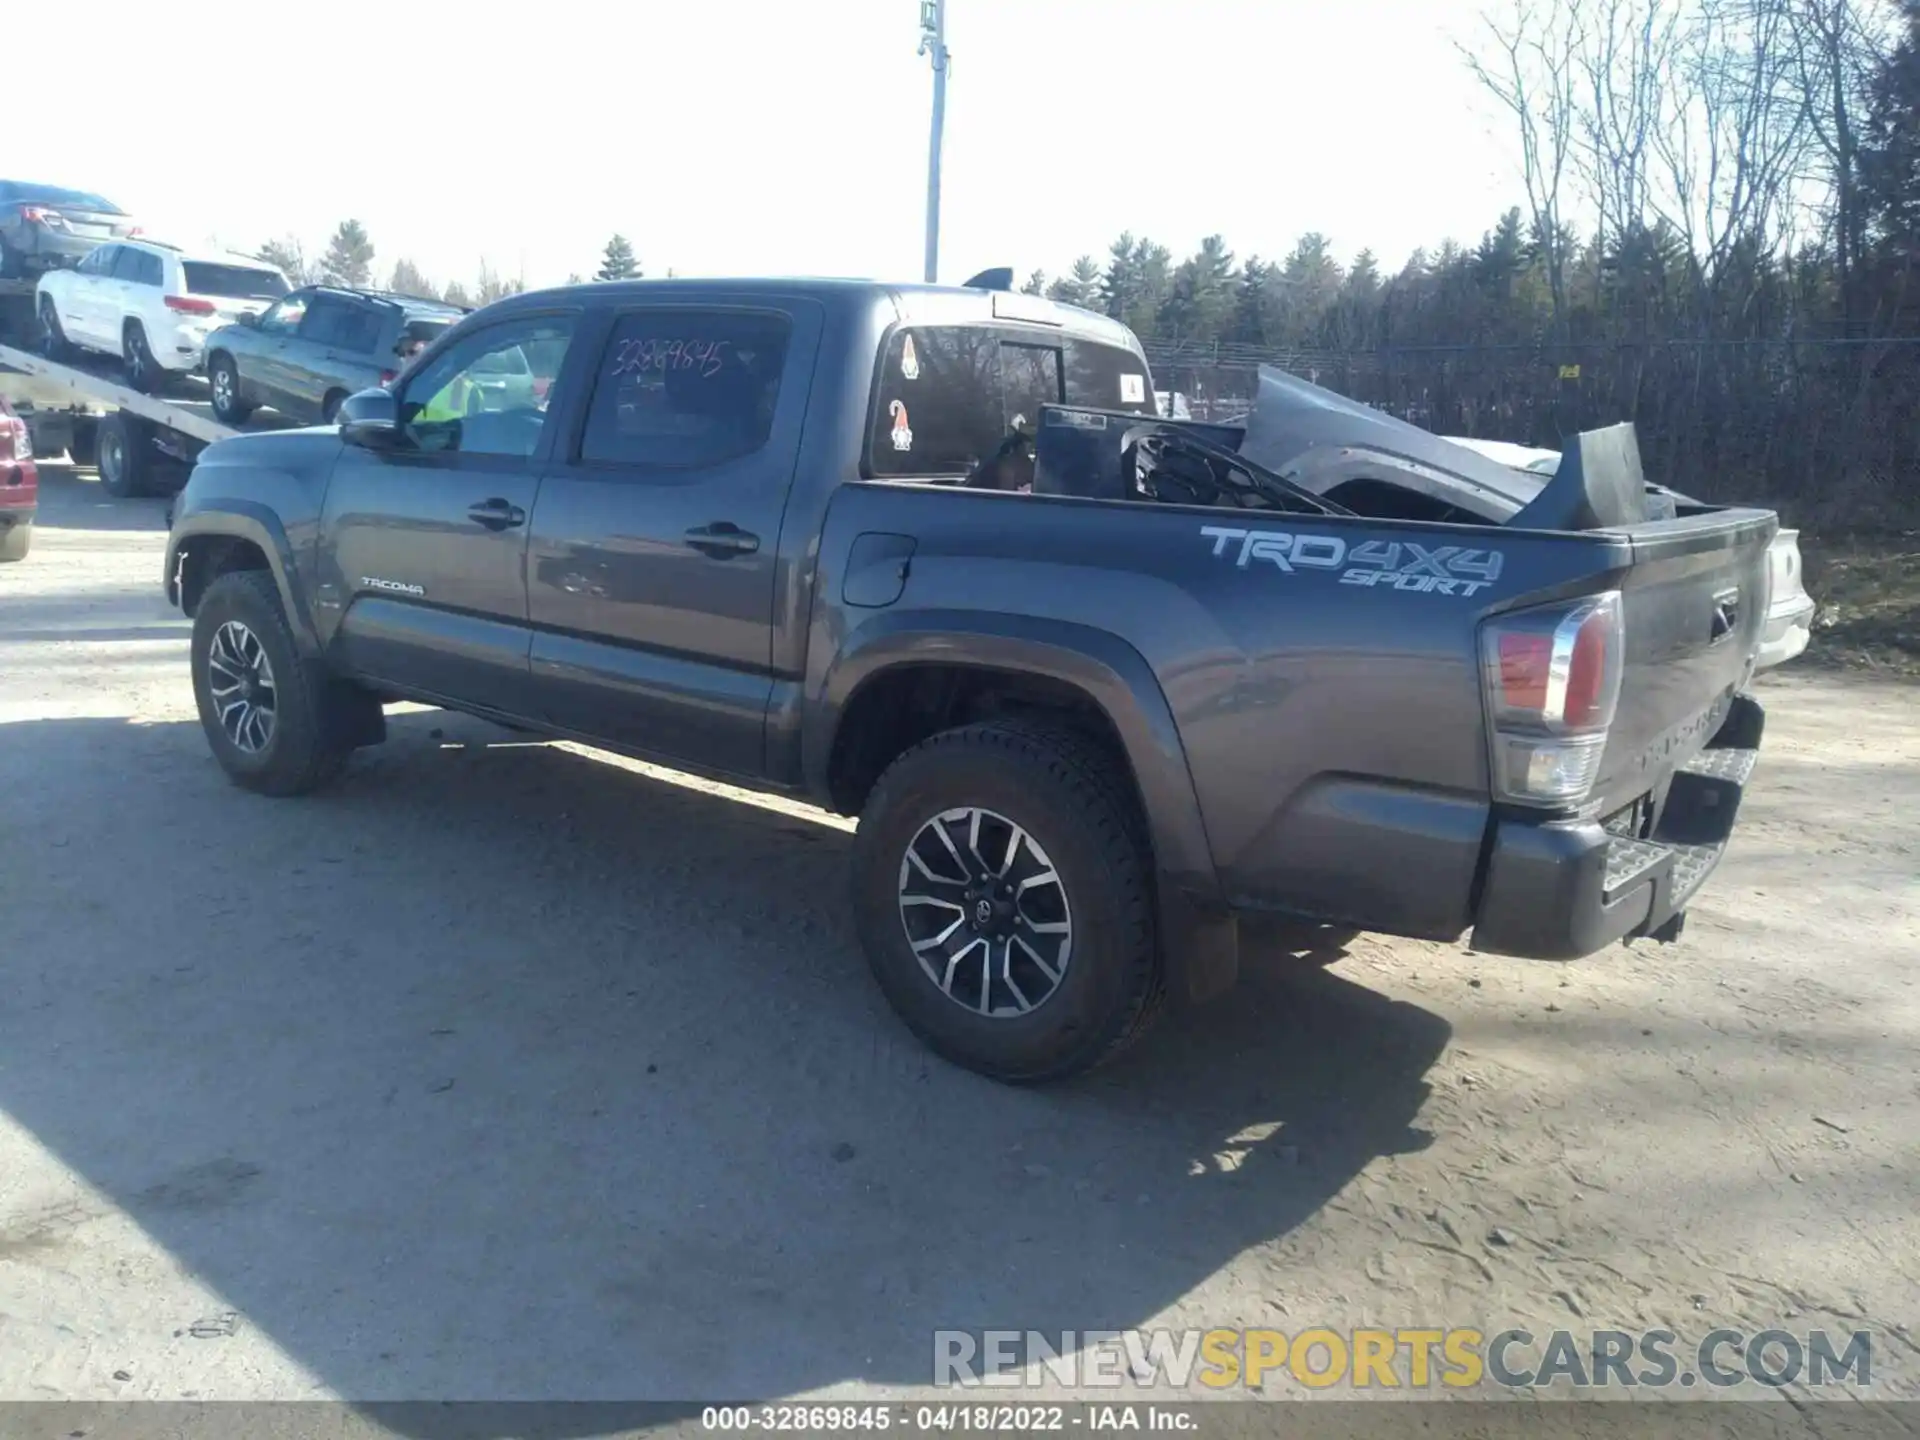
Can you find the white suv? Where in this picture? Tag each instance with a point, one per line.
(151, 304)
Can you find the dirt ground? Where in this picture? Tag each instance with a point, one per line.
(502, 1071)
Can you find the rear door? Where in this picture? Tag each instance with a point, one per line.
(305, 358)
(652, 565)
(423, 547)
(135, 288)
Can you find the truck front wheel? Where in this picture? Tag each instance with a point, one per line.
(276, 722)
(1002, 886)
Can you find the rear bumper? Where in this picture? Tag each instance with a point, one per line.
(55, 250)
(1562, 890)
(1788, 629)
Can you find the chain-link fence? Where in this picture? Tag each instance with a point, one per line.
(1829, 430)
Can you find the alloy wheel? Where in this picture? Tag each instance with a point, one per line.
(985, 912)
(222, 388)
(240, 683)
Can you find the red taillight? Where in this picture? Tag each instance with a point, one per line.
(1552, 678)
(189, 304)
(15, 442)
(1526, 663)
(387, 377)
(1588, 701)
(42, 215)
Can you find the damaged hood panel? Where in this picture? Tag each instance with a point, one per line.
(1319, 440)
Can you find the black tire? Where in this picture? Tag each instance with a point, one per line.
(126, 456)
(10, 266)
(307, 744)
(15, 541)
(330, 407)
(1068, 795)
(143, 368)
(53, 339)
(224, 378)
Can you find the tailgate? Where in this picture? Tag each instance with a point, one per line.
(1693, 603)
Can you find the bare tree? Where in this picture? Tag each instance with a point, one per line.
(1625, 54)
(1533, 72)
(1733, 136)
(1836, 47)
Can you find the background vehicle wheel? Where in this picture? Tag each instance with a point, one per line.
(224, 378)
(271, 717)
(143, 369)
(330, 407)
(53, 339)
(1002, 886)
(15, 541)
(10, 267)
(126, 455)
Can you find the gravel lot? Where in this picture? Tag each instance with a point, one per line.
(502, 1071)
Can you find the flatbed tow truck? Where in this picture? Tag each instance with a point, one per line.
(142, 444)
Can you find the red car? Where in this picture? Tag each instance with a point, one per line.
(19, 485)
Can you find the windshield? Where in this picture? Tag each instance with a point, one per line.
(233, 282)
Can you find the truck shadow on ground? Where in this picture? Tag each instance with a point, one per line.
(499, 1072)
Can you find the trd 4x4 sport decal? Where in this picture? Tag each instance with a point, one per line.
(1397, 564)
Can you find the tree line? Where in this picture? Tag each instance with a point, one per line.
(349, 260)
(1719, 240)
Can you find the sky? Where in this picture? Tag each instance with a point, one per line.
(768, 136)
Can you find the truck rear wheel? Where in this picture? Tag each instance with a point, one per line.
(126, 457)
(274, 720)
(16, 540)
(1002, 886)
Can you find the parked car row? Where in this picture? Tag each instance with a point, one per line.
(161, 310)
(151, 304)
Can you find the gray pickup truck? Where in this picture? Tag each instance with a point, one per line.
(1098, 684)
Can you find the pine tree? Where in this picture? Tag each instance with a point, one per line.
(1252, 299)
(492, 286)
(618, 262)
(1200, 300)
(349, 257)
(1036, 284)
(409, 279)
(286, 256)
(1079, 287)
(457, 295)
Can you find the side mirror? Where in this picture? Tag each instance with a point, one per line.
(371, 419)
(250, 319)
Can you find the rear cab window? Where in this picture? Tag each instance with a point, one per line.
(951, 396)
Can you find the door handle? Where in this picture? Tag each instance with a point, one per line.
(722, 539)
(496, 514)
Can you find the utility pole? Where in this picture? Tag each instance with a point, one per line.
(933, 41)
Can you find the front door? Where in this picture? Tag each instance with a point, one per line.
(263, 362)
(653, 561)
(423, 545)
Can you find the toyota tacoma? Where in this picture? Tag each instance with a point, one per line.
(1097, 684)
